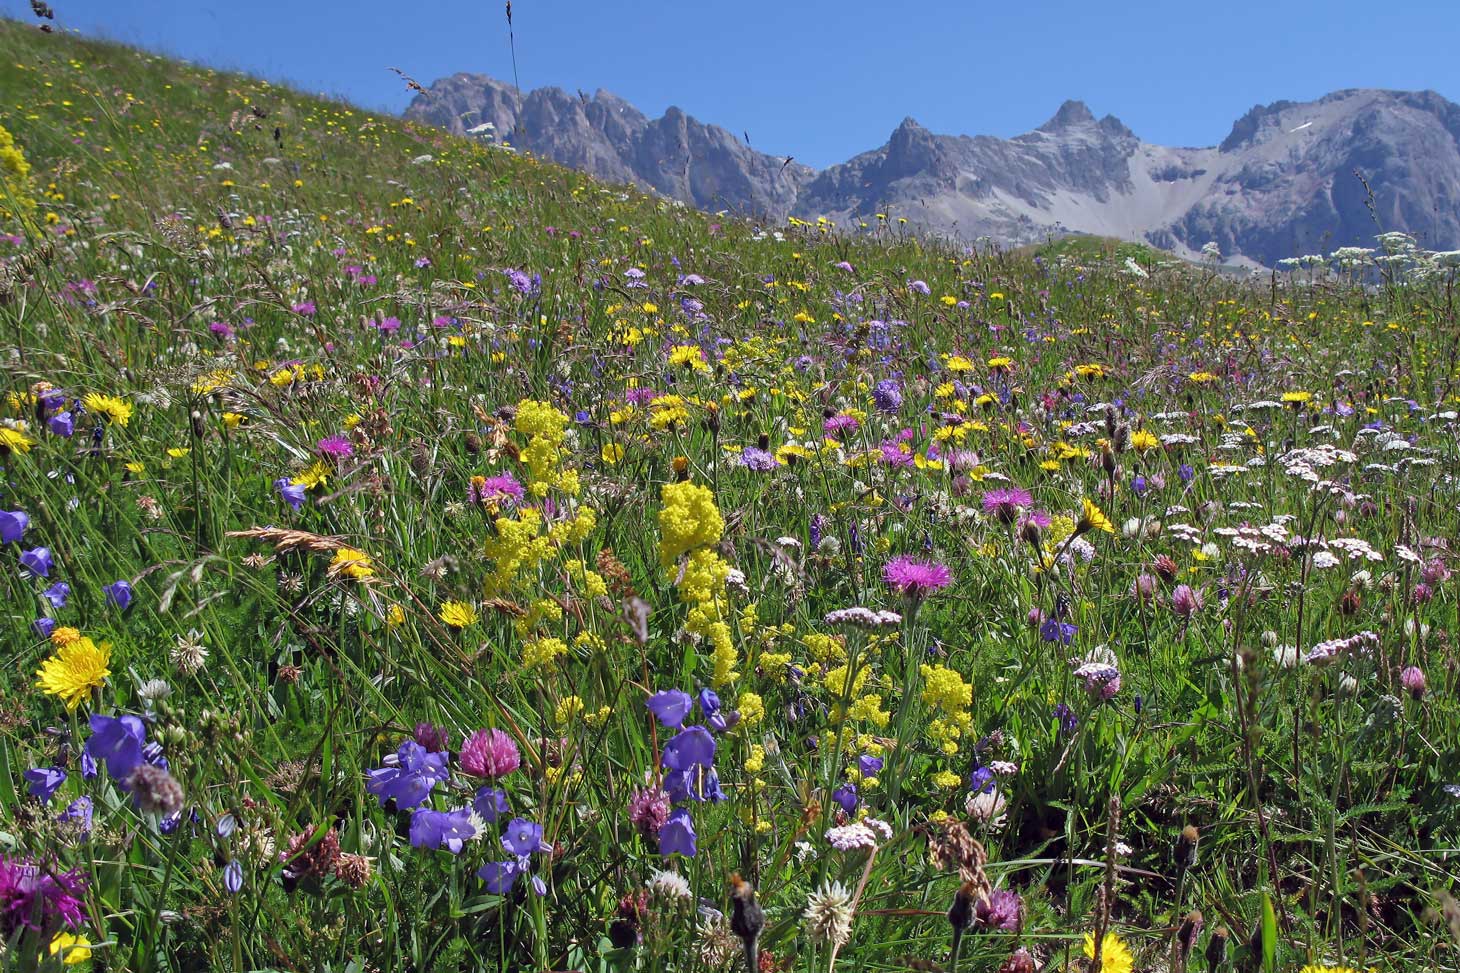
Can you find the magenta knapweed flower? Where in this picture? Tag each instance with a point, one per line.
(39, 898)
(500, 489)
(915, 579)
(840, 423)
(1006, 503)
(489, 753)
(335, 447)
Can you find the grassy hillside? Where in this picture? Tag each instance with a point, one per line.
(419, 557)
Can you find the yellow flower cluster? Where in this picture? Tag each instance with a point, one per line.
(689, 524)
(542, 652)
(545, 428)
(517, 545)
(15, 193)
(945, 691)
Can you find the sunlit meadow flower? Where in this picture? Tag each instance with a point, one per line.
(40, 898)
(188, 653)
(352, 564)
(915, 579)
(458, 614)
(14, 439)
(72, 949)
(489, 753)
(1093, 518)
(335, 447)
(75, 670)
(828, 914)
(115, 410)
(1115, 956)
(1006, 503)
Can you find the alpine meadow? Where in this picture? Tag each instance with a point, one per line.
(417, 556)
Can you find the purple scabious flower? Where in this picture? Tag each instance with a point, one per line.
(755, 458)
(442, 829)
(523, 284)
(915, 579)
(1006, 503)
(670, 707)
(839, 424)
(335, 447)
(887, 395)
(12, 525)
(919, 287)
(408, 776)
(305, 308)
(678, 835)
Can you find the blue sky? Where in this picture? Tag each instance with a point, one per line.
(824, 80)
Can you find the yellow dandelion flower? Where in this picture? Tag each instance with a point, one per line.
(1143, 440)
(1115, 956)
(15, 439)
(75, 670)
(352, 564)
(1093, 518)
(116, 410)
(65, 635)
(458, 614)
(74, 950)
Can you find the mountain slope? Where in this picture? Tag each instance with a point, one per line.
(1284, 182)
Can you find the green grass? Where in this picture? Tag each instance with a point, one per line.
(236, 287)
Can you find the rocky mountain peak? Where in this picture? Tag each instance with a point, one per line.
(1070, 114)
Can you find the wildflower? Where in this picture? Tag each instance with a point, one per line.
(915, 579)
(828, 914)
(851, 837)
(292, 493)
(117, 742)
(115, 410)
(1186, 601)
(408, 776)
(649, 810)
(1093, 518)
(1412, 679)
(458, 614)
(12, 525)
(1001, 909)
(118, 594)
(1007, 503)
(442, 829)
(13, 439)
(43, 782)
(489, 753)
(670, 707)
(522, 839)
(233, 877)
(887, 395)
(688, 519)
(188, 652)
(352, 564)
(690, 748)
(1115, 956)
(73, 950)
(39, 898)
(677, 835)
(335, 447)
(37, 561)
(75, 670)
(489, 803)
(501, 490)
(154, 790)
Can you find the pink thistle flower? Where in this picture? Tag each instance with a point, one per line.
(915, 579)
(489, 753)
(335, 447)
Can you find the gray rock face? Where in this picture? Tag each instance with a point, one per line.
(1284, 182)
(607, 137)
